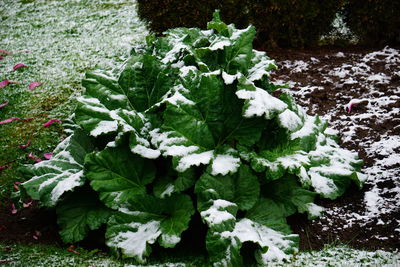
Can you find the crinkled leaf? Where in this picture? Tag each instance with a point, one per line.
(172, 182)
(144, 220)
(145, 81)
(241, 188)
(274, 246)
(62, 173)
(118, 175)
(79, 213)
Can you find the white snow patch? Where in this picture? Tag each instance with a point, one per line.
(261, 103)
(134, 243)
(104, 127)
(194, 160)
(275, 242)
(146, 152)
(290, 120)
(217, 213)
(224, 164)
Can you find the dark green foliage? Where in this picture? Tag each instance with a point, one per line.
(292, 23)
(376, 22)
(166, 14)
(283, 23)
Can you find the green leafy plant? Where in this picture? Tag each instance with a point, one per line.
(189, 125)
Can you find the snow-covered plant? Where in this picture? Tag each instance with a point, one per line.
(189, 125)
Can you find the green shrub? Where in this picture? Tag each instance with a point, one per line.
(292, 23)
(284, 23)
(162, 15)
(188, 128)
(375, 22)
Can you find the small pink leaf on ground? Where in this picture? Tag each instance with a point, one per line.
(72, 249)
(19, 65)
(33, 85)
(3, 167)
(4, 83)
(352, 103)
(48, 155)
(26, 145)
(13, 209)
(50, 122)
(4, 52)
(9, 120)
(27, 119)
(4, 104)
(34, 158)
(27, 205)
(16, 187)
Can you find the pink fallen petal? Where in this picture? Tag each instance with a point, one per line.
(18, 183)
(353, 103)
(26, 145)
(33, 157)
(50, 122)
(48, 155)
(33, 85)
(4, 52)
(27, 205)
(4, 104)
(19, 65)
(13, 209)
(16, 187)
(4, 83)
(9, 120)
(35, 237)
(3, 167)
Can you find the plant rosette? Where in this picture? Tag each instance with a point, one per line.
(191, 117)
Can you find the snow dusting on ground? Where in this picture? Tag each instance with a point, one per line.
(359, 94)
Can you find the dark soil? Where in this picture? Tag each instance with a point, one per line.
(35, 225)
(334, 229)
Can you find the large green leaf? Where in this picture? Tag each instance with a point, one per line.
(79, 213)
(146, 219)
(224, 247)
(106, 108)
(241, 188)
(62, 173)
(118, 175)
(145, 81)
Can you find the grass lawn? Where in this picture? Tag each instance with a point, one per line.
(59, 41)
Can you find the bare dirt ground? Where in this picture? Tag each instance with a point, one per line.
(324, 81)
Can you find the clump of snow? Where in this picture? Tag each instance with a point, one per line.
(224, 164)
(217, 213)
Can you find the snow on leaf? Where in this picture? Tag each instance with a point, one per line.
(258, 102)
(224, 164)
(144, 220)
(62, 173)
